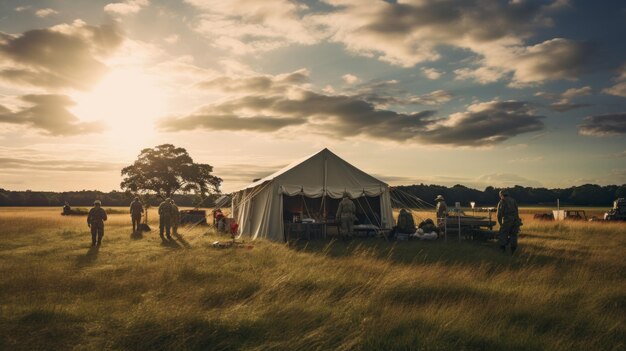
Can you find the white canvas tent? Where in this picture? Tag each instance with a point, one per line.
(258, 208)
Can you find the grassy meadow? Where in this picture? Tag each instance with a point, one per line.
(564, 290)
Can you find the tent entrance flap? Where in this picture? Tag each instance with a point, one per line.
(320, 208)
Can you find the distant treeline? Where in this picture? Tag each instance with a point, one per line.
(87, 197)
(584, 195)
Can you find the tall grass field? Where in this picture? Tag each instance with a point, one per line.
(565, 289)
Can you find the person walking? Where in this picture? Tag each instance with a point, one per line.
(165, 218)
(95, 221)
(136, 210)
(509, 220)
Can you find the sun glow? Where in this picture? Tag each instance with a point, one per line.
(128, 101)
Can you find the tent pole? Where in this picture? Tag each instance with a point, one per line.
(324, 188)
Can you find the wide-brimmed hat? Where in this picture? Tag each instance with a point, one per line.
(439, 198)
(504, 192)
(97, 202)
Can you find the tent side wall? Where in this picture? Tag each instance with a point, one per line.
(386, 213)
(258, 212)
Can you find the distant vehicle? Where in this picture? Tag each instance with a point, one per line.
(193, 217)
(569, 215)
(618, 212)
(544, 216)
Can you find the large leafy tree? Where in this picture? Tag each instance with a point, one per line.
(167, 169)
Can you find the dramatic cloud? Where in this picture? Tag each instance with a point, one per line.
(128, 7)
(505, 180)
(66, 55)
(269, 106)
(563, 101)
(248, 26)
(553, 59)
(350, 78)
(434, 98)
(604, 125)
(242, 174)
(388, 93)
(409, 32)
(431, 73)
(261, 84)
(206, 118)
(49, 114)
(45, 12)
(485, 124)
(618, 89)
(58, 165)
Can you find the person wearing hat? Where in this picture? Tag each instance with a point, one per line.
(509, 220)
(136, 209)
(165, 218)
(95, 221)
(346, 214)
(441, 211)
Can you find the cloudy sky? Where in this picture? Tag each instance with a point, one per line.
(413, 91)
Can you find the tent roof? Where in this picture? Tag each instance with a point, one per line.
(336, 165)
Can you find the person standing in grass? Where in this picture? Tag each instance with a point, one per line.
(95, 221)
(175, 218)
(165, 218)
(136, 209)
(509, 220)
(442, 212)
(346, 214)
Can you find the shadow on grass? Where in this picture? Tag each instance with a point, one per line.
(88, 258)
(170, 244)
(182, 241)
(282, 328)
(426, 295)
(229, 295)
(136, 235)
(43, 329)
(450, 252)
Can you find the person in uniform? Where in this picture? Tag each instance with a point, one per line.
(175, 218)
(165, 218)
(136, 209)
(67, 210)
(509, 220)
(95, 221)
(346, 214)
(442, 211)
(406, 223)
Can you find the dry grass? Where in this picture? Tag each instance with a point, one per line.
(565, 290)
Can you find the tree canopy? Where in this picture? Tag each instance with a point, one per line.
(165, 170)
